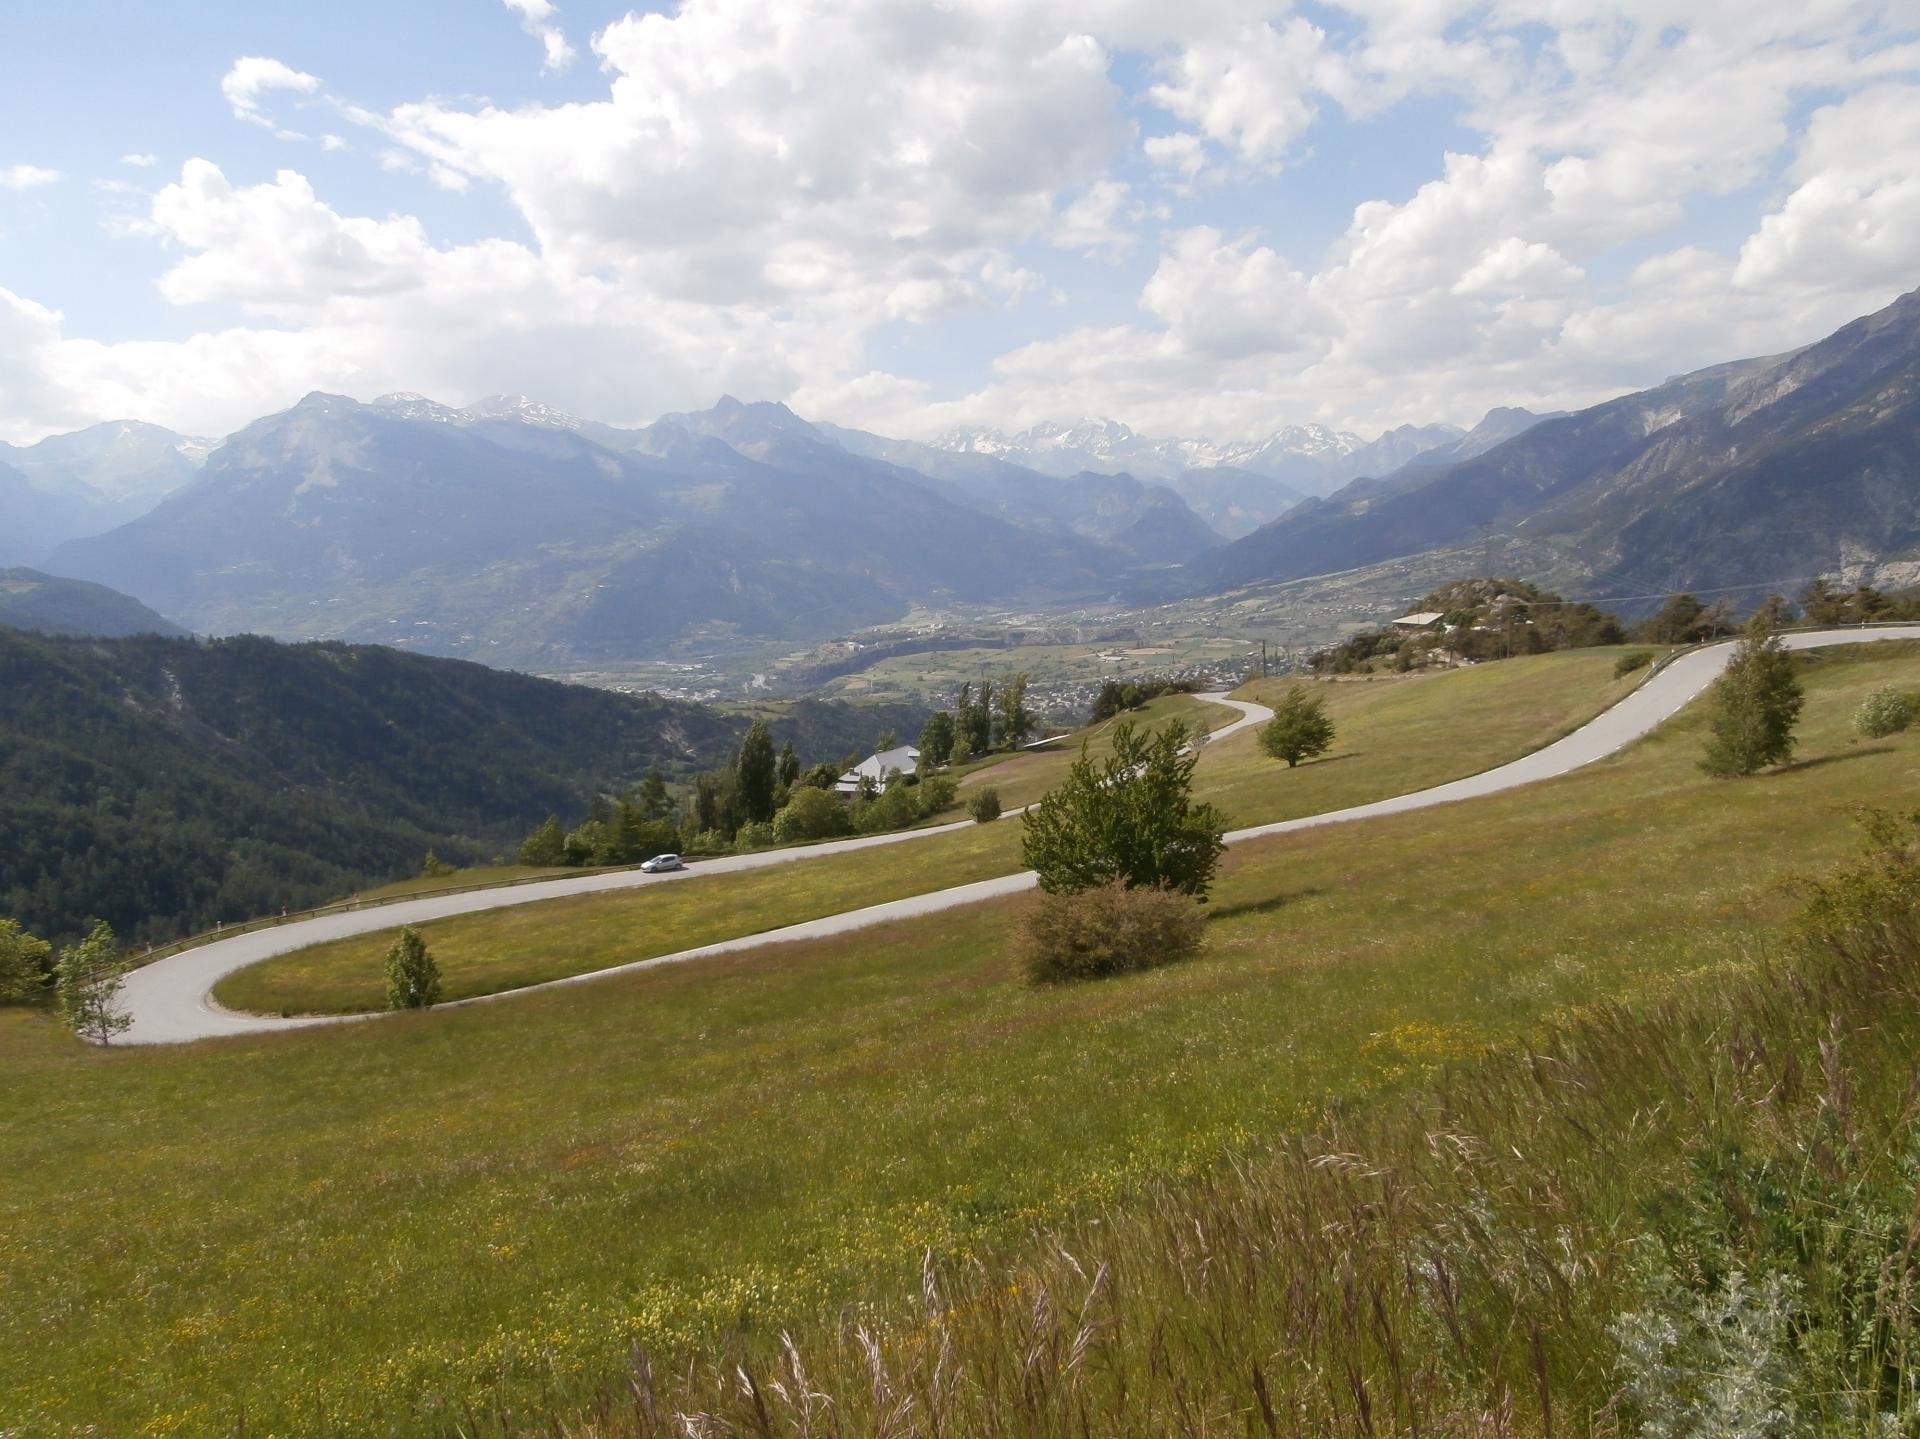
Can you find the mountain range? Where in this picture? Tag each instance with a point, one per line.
(1762, 472)
(513, 532)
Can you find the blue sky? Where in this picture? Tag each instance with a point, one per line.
(1211, 222)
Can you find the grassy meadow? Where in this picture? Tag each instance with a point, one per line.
(471, 1218)
(1394, 735)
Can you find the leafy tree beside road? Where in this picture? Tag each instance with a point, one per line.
(1755, 705)
(89, 979)
(1299, 728)
(1129, 817)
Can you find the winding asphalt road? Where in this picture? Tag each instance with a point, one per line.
(170, 1000)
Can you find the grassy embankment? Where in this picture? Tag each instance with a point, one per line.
(400, 1225)
(1395, 736)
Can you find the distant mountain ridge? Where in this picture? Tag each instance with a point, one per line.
(88, 481)
(1759, 471)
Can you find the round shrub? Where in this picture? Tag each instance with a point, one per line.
(1108, 930)
(812, 814)
(757, 835)
(984, 805)
(935, 793)
(1886, 711)
(1628, 663)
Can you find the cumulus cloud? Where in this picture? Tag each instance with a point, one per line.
(1251, 92)
(139, 161)
(758, 192)
(26, 177)
(536, 18)
(252, 78)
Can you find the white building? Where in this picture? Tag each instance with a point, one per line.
(902, 759)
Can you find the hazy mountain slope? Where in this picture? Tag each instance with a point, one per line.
(1235, 502)
(88, 481)
(32, 522)
(1749, 472)
(1158, 524)
(52, 605)
(524, 541)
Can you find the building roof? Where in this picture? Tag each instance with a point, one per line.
(903, 759)
(1421, 620)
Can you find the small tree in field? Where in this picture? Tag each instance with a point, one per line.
(1128, 818)
(89, 979)
(413, 979)
(984, 805)
(1756, 703)
(1299, 728)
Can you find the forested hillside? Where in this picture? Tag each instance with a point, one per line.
(52, 605)
(161, 784)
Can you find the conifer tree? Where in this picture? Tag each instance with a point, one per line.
(754, 773)
(787, 772)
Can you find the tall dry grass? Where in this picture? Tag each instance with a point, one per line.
(1699, 1217)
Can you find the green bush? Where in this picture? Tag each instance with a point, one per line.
(26, 964)
(935, 793)
(757, 835)
(892, 808)
(984, 805)
(1886, 711)
(1106, 930)
(1628, 663)
(811, 814)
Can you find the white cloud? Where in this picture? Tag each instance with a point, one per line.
(734, 162)
(139, 161)
(1092, 224)
(1251, 92)
(1854, 214)
(253, 77)
(27, 177)
(536, 18)
(760, 190)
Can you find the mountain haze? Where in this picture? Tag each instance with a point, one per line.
(1763, 471)
(496, 536)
